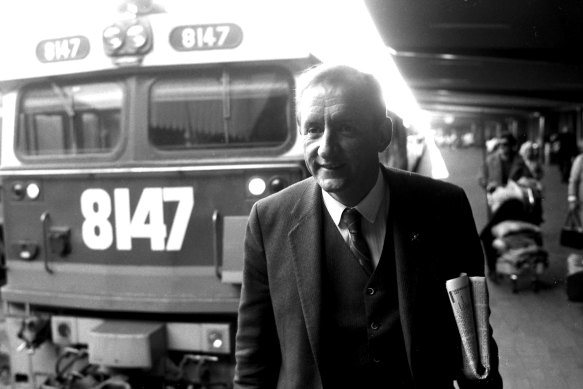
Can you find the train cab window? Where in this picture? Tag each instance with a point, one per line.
(70, 120)
(220, 109)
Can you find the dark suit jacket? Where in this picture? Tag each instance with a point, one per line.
(492, 171)
(435, 239)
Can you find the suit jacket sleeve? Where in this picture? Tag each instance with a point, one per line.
(257, 348)
(470, 260)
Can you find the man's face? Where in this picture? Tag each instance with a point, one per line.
(506, 150)
(341, 141)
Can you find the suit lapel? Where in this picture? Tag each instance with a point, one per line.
(306, 248)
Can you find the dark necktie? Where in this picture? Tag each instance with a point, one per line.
(351, 220)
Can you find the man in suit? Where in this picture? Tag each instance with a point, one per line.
(320, 308)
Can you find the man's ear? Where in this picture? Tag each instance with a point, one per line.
(385, 133)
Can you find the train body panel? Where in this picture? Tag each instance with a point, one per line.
(139, 231)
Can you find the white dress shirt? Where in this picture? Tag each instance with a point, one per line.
(373, 208)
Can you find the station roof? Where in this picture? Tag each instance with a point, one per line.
(478, 54)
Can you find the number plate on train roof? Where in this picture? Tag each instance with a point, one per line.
(206, 37)
(62, 49)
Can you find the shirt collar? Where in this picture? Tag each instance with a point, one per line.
(368, 207)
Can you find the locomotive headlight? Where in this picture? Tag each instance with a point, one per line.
(18, 190)
(215, 340)
(113, 38)
(257, 186)
(32, 191)
(25, 249)
(276, 184)
(137, 36)
(127, 40)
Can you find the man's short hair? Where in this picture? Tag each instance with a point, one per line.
(508, 138)
(333, 74)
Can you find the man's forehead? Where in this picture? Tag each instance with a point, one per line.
(320, 97)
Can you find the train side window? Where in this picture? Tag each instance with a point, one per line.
(71, 120)
(220, 109)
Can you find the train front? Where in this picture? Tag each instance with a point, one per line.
(132, 152)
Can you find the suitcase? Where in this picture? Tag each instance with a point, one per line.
(574, 280)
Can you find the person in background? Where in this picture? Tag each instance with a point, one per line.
(502, 165)
(567, 151)
(530, 153)
(575, 187)
(345, 271)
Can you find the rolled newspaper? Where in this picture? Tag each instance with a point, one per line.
(469, 301)
(481, 305)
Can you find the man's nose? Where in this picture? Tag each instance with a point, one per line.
(328, 143)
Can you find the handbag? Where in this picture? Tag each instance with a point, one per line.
(572, 232)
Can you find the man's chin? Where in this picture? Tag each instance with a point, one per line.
(331, 185)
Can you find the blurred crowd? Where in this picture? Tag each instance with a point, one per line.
(511, 176)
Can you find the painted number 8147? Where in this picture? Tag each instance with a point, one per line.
(147, 222)
(206, 37)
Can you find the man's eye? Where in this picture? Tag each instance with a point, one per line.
(313, 131)
(347, 129)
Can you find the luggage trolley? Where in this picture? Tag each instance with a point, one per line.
(514, 232)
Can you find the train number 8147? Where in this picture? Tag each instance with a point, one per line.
(147, 221)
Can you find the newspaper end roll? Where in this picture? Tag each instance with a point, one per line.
(460, 294)
(481, 312)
